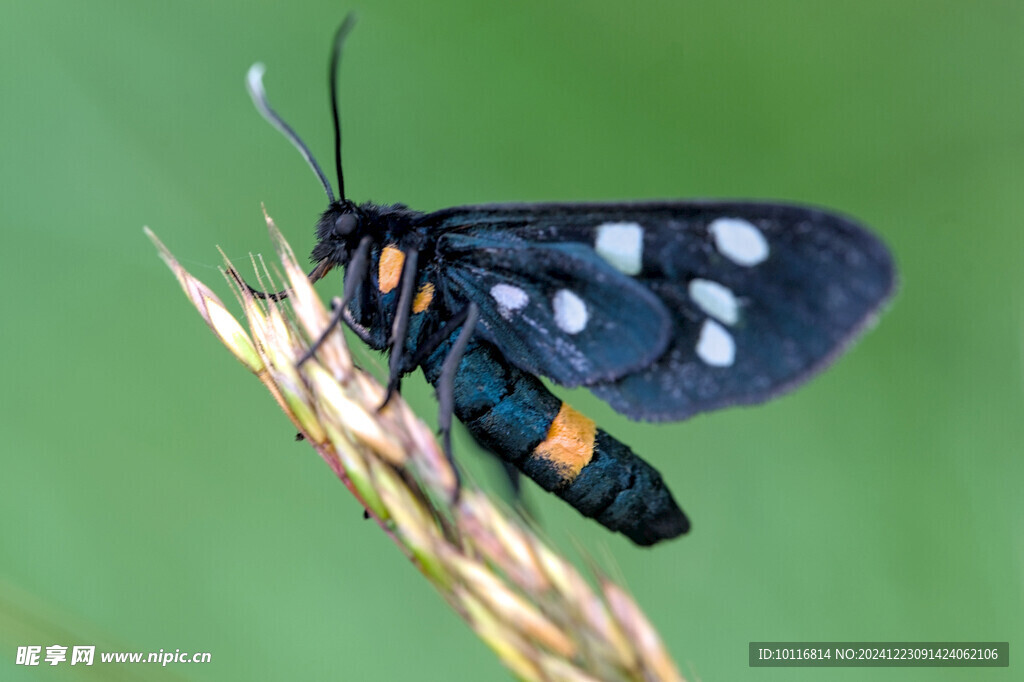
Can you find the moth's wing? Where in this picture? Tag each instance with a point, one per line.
(555, 309)
(761, 296)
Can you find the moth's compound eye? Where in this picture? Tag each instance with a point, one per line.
(345, 224)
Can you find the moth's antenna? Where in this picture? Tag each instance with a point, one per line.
(254, 83)
(339, 41)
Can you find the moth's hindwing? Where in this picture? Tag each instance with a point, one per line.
(557, 309)
(759, 296)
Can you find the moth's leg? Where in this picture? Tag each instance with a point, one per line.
(446, 382)
(515, 478)
(400, 326)
(467, 319)
(434, 341)
(354, 272)
(315, 274)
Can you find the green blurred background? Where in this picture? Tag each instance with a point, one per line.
(152, 494)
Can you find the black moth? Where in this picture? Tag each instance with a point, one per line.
(662, 309)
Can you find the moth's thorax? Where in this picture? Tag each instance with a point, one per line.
(393, 236)
(379, 291)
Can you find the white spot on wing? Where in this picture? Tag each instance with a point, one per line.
(622, 245)
(716, 300)
(570, 312)
(509, 299)
(715, 345)
(739, 241)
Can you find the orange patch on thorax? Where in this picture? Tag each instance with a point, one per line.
(389, 269)
(423, 298)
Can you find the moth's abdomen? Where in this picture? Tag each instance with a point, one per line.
(512, 414)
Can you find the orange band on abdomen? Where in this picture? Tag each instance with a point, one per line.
(569, 445)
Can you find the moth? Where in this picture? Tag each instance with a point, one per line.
(662, 309)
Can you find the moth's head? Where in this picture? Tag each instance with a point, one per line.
(338, 233)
